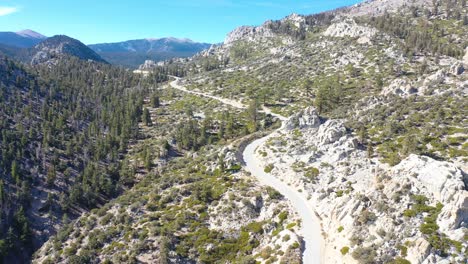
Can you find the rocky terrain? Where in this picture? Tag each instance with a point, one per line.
(186, 208)
(371, 211)
(382, 155)
(373, 145)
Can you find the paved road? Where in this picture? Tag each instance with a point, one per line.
(310, 230)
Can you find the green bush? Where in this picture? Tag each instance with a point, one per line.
(365, 255)
(255, 227)
(295, 245)
(409, 213)
(403, 250)
(274, 194)
(344, 250)
(283, 216)
(311, 173)
(269, 168)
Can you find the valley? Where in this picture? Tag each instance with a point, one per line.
(336, 137)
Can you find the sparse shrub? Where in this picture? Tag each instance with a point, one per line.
(295, 245)
(274, 194)
(403, 250)
(365, 255)
(266, 252)
(344, 250)
(366, 216)
(268, 168)
(311, 173)
(283, 216)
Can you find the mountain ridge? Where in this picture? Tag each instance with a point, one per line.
(132, 53)
(62, 45)
(21, 39)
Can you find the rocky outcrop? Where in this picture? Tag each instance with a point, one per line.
(400, 87)
(361, 199)
(436, 78)
(330, 132)
(60, 45)
(308, 118)
(419, 251)
(457, 68)
(349, 28)
(379, 7)
(150, 64)
(248, 33)
(263, 32)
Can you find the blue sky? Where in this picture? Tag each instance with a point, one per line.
(97, 21)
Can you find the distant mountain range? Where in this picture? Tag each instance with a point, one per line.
(22, 39)
(30, 46)
(133, 53)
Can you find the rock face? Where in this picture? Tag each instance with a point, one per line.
(379, 7)
(457, 68)
(247, 33)
(361, 199)
(349, 28)
(150, 64)
(308, 118)
(263, 32)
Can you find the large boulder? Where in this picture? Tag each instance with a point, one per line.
(308, 118)
(457, 68)
(419, 251)
(330, 132)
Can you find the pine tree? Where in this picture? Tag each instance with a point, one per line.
(51, 176)
(147, 117)
(252, 111)
(15, 172)
(148, 159)
(155, 101)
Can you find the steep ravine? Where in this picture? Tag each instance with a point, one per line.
(311, 230)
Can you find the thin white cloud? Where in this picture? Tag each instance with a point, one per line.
(5, 10)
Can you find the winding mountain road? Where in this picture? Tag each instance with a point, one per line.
(310, 228)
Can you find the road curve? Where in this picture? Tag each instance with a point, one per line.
(310, 229)
(175, 84)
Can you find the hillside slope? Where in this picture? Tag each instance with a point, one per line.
(375, 142)
(389, 87)
(57, 46)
